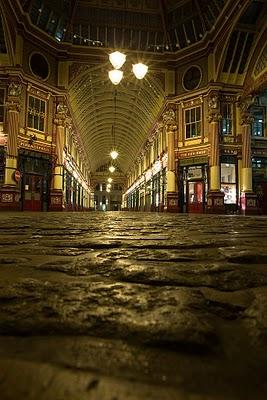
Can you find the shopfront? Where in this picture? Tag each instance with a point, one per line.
(193, 186)
(35, 170)
(259, 178)
(229, 183)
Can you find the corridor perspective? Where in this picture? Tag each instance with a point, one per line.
(133, 306)
(133, 199)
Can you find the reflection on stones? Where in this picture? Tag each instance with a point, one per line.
(157, 299)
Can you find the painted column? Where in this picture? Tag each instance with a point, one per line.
(169, 119)
(56, 195)
(215, 200)
(248, 200)
(10, 193)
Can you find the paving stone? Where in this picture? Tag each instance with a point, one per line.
(123, 306)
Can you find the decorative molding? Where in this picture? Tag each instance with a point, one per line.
(37, 92)
(214, 107)
(14, 89)
(245, 103)
(192, 103)
(35, 146)
(169, 117)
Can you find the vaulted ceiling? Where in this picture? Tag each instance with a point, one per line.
(155, 32)
(111, 116)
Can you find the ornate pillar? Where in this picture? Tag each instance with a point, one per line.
(215, 198)
(248, 199)
(56, 195)
(160, 136)
(169, 120)
(10, 193)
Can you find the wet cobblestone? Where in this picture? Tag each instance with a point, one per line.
(133, 306)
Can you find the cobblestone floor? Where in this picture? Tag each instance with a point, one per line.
(132, 306)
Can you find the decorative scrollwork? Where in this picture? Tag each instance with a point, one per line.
(169, 117)
(214, 108)
(245, 104)
(14, 89)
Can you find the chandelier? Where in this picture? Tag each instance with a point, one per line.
(117, 60)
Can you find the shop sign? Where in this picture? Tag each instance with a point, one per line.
(194, 173)
(194, 161)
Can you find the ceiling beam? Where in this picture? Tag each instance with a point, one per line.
(72, 13)
(164, 23)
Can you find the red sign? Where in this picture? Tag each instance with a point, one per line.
(17, 175)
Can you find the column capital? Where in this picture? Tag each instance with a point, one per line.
(13, 104)
(214, 107)
(60, 120)
(245, 104)
(14, 89)
(169, 117)
(61, 114)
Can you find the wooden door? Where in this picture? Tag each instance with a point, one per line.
(32, 192)
(195, 197)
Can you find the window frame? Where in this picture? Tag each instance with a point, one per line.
(196, 122)
(253, 124)
(227, 119)
(41, 115)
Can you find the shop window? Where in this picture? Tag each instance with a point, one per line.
(36, 113)
(228, 182)
(192, 123)
(2, 103)
(257, 128)
(227, 118)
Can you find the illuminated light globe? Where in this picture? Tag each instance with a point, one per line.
(108, 190)
(110, 180)
(140, 70)
(117, 59)
(109, 185)
(114, 154)
(115, 76)
(112, 168)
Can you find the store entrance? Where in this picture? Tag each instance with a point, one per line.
(193, 187)
(35, 171)
(195, 197)
(33, 190)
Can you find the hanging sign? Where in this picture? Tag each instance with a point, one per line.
(17, 175)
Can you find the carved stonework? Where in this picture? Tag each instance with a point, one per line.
(197, 101)
(13, 105)
(61, 115)
(62, 108)
(14, 89)
(245, 104)
(169, 117)
(214, 108)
